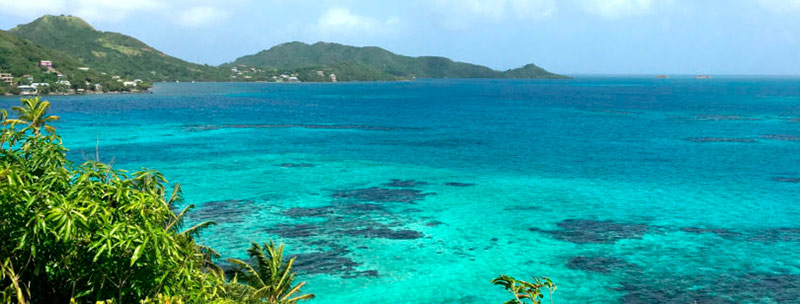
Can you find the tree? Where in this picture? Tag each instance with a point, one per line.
(33, 114)
(270, 279)
(522, 290)
(91, 233)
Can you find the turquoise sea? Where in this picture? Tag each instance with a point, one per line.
(621, 189)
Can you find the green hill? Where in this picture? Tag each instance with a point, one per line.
(20, 56)
(114, 53)
(73, 43)
(376, 63)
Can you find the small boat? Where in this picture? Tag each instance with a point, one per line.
(662, 76)
(703, 77)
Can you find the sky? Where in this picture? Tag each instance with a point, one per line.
(735, 37)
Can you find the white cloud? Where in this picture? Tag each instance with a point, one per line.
(527, 9)
(781, 6)
(92, 10)
(105, 10)
(32, 8)
(337, 17)
(342, 20)
(202, 16)
(458, 14)
(613, 9)
(191, 13)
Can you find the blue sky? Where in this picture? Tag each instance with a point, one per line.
(565, 36)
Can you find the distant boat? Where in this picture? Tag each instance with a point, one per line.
(662, 76)
(703, 77)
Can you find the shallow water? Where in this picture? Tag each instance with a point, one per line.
(628, 190)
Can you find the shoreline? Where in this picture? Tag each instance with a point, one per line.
(74, 94)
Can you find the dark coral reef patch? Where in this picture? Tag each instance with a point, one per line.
(720, 140)
(583, 231)
(298, 212)
(721, 232)
(781, 137)
(727, 288)
(600, 264)
(381, 195)
(787, 179)
(230, 211)
(409, 183)
(300, 165)
(456, 184)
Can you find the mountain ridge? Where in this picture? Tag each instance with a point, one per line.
(125, 56)
(111, 52)
(324, 54)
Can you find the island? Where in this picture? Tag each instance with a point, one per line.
(66, 55)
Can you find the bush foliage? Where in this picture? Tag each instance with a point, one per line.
(87, 233)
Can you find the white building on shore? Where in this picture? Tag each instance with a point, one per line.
(7, 78)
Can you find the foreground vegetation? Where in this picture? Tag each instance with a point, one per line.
(90, 233)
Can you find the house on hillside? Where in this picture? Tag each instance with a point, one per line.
(45, 63)
(129, 84)
(28, 77)
(85, 69)
(333, 77)
(36, 85)
(65, 82)
(26, 90)
(7, 78)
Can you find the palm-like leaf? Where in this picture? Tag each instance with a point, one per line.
(33, 114)
(522, 290)
(269, 276)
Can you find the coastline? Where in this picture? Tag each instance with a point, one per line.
(75, 94)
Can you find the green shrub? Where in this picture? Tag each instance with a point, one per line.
(523, 291)
(89, 232)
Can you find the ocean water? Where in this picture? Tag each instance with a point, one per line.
(622, 190)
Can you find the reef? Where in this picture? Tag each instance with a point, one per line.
(230, 211)
(781, 137)
(721, 232)
(410, 183)
(723, 117)
(290, 165)
(600, 264)
(720, 140)
(582, 231)
(455, 184)
(377, 194)
(726, 288)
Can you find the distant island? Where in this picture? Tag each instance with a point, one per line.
(66, 55)
(331, 62)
